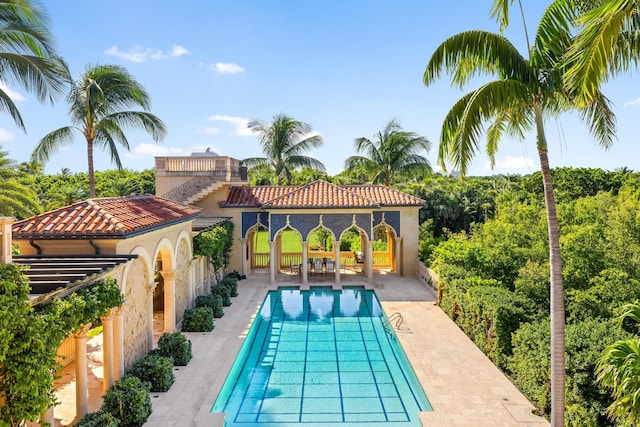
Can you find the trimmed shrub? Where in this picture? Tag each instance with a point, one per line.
(232, 284)
(199, 319)
(234, 274)
(156, 370)
(224, 292)
(213, 301)
(128, 400)
(176, 346)
(98, 419)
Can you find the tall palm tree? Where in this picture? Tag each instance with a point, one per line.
(284, 142)
(98, 108)
(608, 43)
(619, 369)
(16, 198)
(27, 55)
(525, 93)
(392, 152)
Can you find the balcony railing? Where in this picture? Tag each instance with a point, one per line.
(225, 167)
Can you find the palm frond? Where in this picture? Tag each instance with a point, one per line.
(140, 120)
(597, 114)
(592, 55)
(52, 143)
(7, 105)
(472, 53)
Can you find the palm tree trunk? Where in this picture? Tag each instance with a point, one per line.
(92, 178)
(557, 296)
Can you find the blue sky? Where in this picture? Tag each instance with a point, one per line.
(345, 67)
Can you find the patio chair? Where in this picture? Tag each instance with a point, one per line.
(295, 268)
(317, 265)
(359, 256)
(329, 266)
(343, 267)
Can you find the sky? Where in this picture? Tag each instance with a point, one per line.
(345, 67)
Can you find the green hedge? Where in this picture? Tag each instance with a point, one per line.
(490, 315)
(213, 301)
(176, 346)
(98, 419)
(224, 292)
(199, 319)
(232, 284)
(129, 401)
(155, 369)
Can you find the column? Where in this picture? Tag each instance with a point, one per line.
(272, 263)
(305, 263)
(118, 343)
(336, 250)
(169, 300)
(192, 283)
(82, 390)
(243, 243)
(5, 239)
(398, 256)
(150, 288)
(107, 351)
(47, 417)
(368, 261)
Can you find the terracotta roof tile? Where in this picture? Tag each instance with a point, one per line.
(319, 194)
(105, 217)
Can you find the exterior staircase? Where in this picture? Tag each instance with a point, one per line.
(195, 189)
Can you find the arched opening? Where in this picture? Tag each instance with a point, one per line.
(320, 251)
(384, 249)
(158, 301)
(258, 247)
(289, 251)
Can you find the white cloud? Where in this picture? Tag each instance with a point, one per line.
(634, 102)
(513, 163)
(5, 135)
(239, 122)
(144, 151)
(140, 54)
(227, 68)
(209, 131)
(15, 96)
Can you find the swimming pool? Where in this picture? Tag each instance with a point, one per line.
(321, 358)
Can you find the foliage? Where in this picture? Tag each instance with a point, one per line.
(232, 284)
(224, 292)
(17, 197)
(155, 369)
(98, 419)
(215, 244)
(99, 100)
(529, 365)
(199, 319)
(30, 337)
(427, 241)
(212, 301)
(128, 400)
(176, 346)
(619, 370)
(284, 143)
(393, 152)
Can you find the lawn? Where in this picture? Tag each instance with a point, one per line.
(290, 241)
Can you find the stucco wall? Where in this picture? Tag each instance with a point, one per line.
(409, 228)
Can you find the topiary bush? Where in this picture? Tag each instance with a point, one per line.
(213, 301)
(232, 284)
(199, 319)
(98, 419)
(224, 292)
(176, 346)
(155, 369)
(128, 400)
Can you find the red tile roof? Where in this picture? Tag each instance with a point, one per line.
(106, 217)
(319, 194)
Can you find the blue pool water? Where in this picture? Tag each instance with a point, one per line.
(321, 358)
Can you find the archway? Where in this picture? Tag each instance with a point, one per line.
(384, 249)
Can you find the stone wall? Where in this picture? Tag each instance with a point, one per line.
(182, 280)
(136, 314)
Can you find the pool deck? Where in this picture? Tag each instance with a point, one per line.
(463, 386)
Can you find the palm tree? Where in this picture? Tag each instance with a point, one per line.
(524, 94)
(284, 142)
(607, 45)
(393, 151)
(27, 55)
(98, 102)
(16, 198)
(619, 369)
